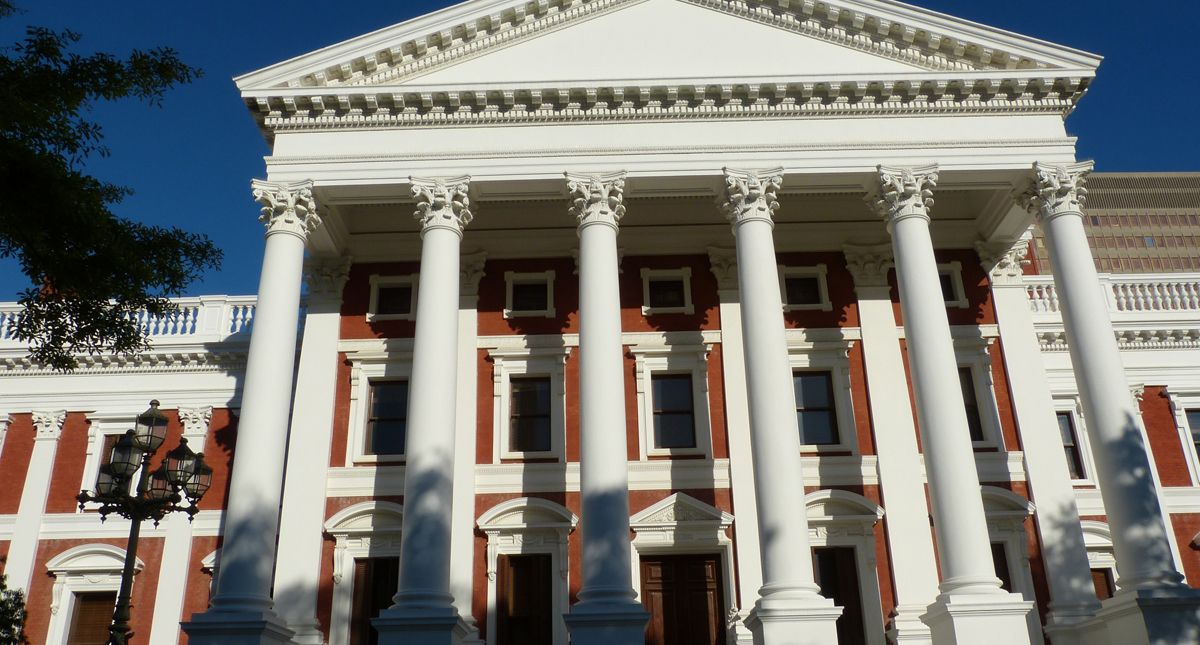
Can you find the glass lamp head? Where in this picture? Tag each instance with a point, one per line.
(107, 484)
(200, 480)
(180, 463)
(126, 457)
(151, 428)
(160, 485)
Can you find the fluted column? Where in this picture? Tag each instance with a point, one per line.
(607, 612)
(424, 613)
(789, 609)
(971, 608)
(1148, 580)
(241, 610)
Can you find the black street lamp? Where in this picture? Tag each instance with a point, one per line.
(183, 474)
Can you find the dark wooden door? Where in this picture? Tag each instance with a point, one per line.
(92, 615)
(683, 595)
(524, 604)
(836, 571)
(375, 583)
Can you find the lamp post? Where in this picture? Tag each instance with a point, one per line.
(182, 475)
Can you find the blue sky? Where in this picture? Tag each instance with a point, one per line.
(190, 162)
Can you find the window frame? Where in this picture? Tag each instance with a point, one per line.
(368, 417)
(684, 274)
(521, 362)
(975, 354)
(397, 367)
(368, 529)
(378, 281)
(818, 271)
(832, 357)
(838, 518)
(513, 277)
(86, 568)
(1181, 402)
(1006, 513)
(102, 425)
(666, 358)
(954, 270)
(1074, 407)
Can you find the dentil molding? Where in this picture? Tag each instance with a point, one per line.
(286, 208)
(751, 195)
(442, 202)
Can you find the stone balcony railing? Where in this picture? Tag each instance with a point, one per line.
(1132, 298)
(207, 319)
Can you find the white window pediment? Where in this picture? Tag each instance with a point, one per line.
(364, 530)
(86, 568)
(680, 509)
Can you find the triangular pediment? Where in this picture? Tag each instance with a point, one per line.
(679, 508)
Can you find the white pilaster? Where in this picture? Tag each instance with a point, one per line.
(462, 530)
(910, 542)
(242, 609)
(607, 612)
(1153, 605)
(723, 263)
(22, 549)
(309, 443)
(971, 607)
(1067, 572)
(424, 613)
(789, 609)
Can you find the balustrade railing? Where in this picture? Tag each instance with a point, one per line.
(203, 319)
(1127, 293)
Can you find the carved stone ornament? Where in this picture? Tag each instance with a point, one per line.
(1056, 190)
(470, 272)
(723, 264)
(286, 208)
(49, 424)
(195, 421)
(326, 276)
(597, 199)
(1005, 262)
(442, 203)
(904, 192)
(868, 264)
(751, 195)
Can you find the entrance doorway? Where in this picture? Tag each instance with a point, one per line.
(683, 594)
(525, 608)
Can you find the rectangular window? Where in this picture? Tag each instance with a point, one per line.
(91, 617)
(1193, 420)
(524, 611)
(802, 290)
(1066, 428)
(1102, 580)
(529, 414)
(394, 300)
(947, 283)
(966, 382)
(529, 296)
(666, 293)
(376, 581)
(815, 412)
(387, 423)
(836, 572)
(1000, 562)
(674, 420)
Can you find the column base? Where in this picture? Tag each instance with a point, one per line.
(224, 627)
(907, 627)
(741, 632)
(309, 634)
(1064, 624)
(421, 625)
(794, 618)
(601, 623)
(1147, 617)
(979, 619)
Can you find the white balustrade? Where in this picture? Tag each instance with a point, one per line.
(1137, 295)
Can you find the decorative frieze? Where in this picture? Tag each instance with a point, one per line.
(442, 202)
(1055, 189)
(751, 195)
(597, 199)
(48, 424)
(287, 208)
(868, 265)
(1005, 262)
(904, 192)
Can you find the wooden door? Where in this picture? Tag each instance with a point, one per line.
(91, 618)
(524, 600)
(836, 571)
(683, 594)
(375, 583)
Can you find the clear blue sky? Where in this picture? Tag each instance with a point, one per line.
(190, 162)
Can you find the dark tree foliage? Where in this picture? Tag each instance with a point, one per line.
(12, 614)
(90, 271)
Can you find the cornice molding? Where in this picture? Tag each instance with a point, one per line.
(751, 195)
(286, 208)
(1055, 340)
(199, 360)
(442, 202)
(596, 199)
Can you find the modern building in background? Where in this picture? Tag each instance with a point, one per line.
(664, 322)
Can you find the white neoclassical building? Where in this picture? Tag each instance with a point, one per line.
(677, 322)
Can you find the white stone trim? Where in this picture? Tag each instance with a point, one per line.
(5, 421)
(975, 354)
(1006, 513)
(100, 426)
(1097, 539)
(512, 277)
(364, 530)
(1074, 407)
(1181, 401)
(378, 281)
(528, 361)
(683, 274)
(396, 366)
(529, 525)
(954, 270)
(211, 565)
(668, 358)
(818, 271)
(841, 518)
(833, 357)
(85, 568)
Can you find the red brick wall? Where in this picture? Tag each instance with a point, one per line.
(14, 462)
(1165, 443)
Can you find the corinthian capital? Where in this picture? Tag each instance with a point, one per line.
(442, 203)
(1055, 190)
(1005, 261)
(286, 208)
(597, 199)
(326, 276)
(868, 264)
(751, 195)
(904, 192)
(49, 424)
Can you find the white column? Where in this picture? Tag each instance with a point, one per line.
(971, 608)
(22, 548)
(789, 609)
(177, 546)
(723, 263)
(462, 530)
(607, 612)
(1072, 599)
(424, 613)
(910, 541)
(309, 444)
(242, 609)
(1154, 605)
